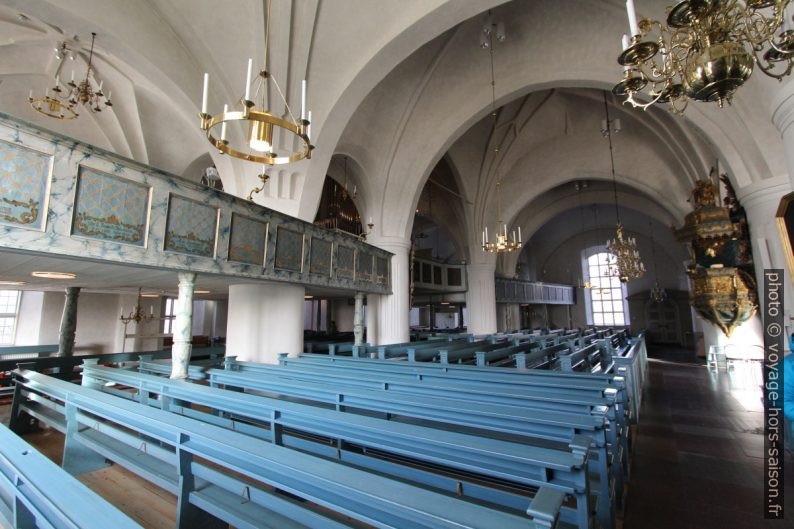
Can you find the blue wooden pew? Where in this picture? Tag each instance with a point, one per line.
(35, 492)
(477, 461)
(504, 419)
(216, 473)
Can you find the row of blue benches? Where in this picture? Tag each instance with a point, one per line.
(429, 442)
(490, 399)
(237, 464)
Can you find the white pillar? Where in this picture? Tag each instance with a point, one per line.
(373, 302)
(183, 326)
(761, 205)
(358, 319)
(393, 309)
(481, 298)
(264, 320)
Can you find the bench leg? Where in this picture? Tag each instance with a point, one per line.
(78, 458)
(188, 516)
(604, 509)
(20, 422)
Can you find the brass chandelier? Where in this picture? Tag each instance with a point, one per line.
(705, 51)
(61, 102)
(262, 129)
(627, 263)
(503, 242)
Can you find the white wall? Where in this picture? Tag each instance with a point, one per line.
(342, 313)
(29, 318)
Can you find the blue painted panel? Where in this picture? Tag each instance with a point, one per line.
(110, 208)
(364, 266)
(24, 185)
(289, 250)
(321, 256)
(247, 240)
(191, 227)
(382, 270)
(344, 262)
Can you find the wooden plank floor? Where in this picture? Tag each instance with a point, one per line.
(147, 504)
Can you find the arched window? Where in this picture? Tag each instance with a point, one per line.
(607, 293)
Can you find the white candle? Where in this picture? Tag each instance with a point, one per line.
(626, 41)
(57, 80)
(30, 96)
(223, 125)
(151, 310)
(370, 221)
(122, 311)
(204, 95)
(483, 238)
(303, 100)
(248, 80)
(100, 85)
(519, 234)
(109, 92)
(632, 17)
(72, 79)
(309, 128)
(486, 234)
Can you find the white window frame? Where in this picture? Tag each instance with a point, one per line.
(14, 315)
(587, 253)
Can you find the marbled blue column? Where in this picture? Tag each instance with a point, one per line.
(358, 319)
(183, 326)
(68, 322)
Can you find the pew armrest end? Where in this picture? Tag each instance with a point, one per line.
(545, 507)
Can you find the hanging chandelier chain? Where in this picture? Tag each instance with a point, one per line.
(611, 157)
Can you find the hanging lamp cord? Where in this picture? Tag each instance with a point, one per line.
(611, 157)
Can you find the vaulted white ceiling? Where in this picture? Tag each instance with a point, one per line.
(396, 86)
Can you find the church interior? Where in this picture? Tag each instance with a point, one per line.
(378, 263)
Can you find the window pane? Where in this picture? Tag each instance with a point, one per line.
(8, 301)
(6, 330)
(606, 296)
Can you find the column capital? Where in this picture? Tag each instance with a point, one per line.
(771, 190)
(482, 267)
(390, 243)
(188, 278)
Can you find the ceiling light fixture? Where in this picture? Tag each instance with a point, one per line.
(54, 275)
(137, 315)
(201, 291)
(12, 283)
(263, 130)
(627, 264)
(61, 102)
(503, 242)
(705, 52)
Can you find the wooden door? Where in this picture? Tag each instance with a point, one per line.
(664, 322)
